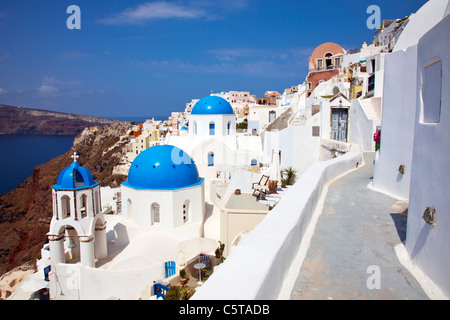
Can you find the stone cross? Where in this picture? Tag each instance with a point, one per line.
(75, 156)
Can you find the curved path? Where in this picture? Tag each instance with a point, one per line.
(351, 254)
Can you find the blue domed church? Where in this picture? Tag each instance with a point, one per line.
(212, 139)
(164, 190)
(78, 225)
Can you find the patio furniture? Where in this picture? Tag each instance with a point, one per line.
(261, 187)
(205, 260)
(160, 290)
(199, 266)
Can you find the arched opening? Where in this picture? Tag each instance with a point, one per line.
(229, 128)
(97, 203)
(186, 211)
(195, 127)
(83, 207)
(65, 207)
(211, 159)
(328, 60)
(72, 245)
(155, 214)
(212, 128)
(129, 209)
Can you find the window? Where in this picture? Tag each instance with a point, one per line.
(83, 208)
(431, 92)
(309, 85)
(195, 127)
(254, 162)
(337, 62)
(65, 207)
(186, 207)
(212, 128)
(229, 128)
(272, 116)
(211, 159)
(319, 63)
(155, 214)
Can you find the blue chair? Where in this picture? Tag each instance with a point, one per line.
(170, 268)
(46, 272)
(160, 290)
(205, 260)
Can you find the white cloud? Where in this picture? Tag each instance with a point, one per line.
(52, 87)
(2, 91)
(154, 10)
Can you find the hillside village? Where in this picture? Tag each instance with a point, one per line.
(217, 174)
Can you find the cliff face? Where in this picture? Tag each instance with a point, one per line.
(14, 120)
(25, 212)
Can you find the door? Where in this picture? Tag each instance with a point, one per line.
(339, 117)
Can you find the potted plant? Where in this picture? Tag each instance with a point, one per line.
(183, 279)
(219, 251)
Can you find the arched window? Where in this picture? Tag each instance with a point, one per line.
(211, 159)
(83, 208)
(186, 209)
(195, 127)
(229, 127)
(97, 203)
(254, 162)
(155, 214)
(212, 128)
(65, 207)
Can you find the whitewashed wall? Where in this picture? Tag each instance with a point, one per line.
(397, 123)
(428, 246)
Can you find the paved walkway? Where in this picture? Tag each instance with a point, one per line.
(352, 248)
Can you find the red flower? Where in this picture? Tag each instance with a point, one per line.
(376, 136)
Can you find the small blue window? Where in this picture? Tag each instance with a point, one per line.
(212, 129)
(229, 128)
(211, 159)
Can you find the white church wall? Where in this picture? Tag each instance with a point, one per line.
(397, 123)
(428, 245)
(170, 206)
(258, 265)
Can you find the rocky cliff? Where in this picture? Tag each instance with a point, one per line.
(15, 120)
(25, 212)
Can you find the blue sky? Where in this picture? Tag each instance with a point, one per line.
(148, 58)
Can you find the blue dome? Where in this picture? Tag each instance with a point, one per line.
(162, 167)
(212, 105)
(74, 177)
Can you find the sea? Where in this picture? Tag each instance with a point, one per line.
(21, 153)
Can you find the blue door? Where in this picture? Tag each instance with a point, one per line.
(339, 117)
(210, 159)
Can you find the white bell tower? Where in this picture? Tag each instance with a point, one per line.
(78, 228)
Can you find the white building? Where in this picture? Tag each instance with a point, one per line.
(415, 135)
(212, 140)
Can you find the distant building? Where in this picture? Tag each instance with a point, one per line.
(324, 63)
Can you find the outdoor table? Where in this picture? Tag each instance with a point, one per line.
(199, 266)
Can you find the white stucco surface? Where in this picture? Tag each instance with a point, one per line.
(428, 245)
